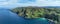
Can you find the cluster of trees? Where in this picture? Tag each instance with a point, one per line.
(37, 12)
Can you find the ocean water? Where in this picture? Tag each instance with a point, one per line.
(7, 17)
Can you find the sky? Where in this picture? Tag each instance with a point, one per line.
(19, 3)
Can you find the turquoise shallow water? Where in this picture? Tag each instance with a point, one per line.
(7, 17)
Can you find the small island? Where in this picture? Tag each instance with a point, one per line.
(30, 12)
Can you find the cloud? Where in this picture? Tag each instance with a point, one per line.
(48, 3)
(42, 3)
(3, 3)
(25, 1)
(16, 3)
(3, 0)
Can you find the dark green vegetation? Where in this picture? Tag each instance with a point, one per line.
(37, 12)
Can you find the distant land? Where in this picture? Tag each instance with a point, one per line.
(31, 6)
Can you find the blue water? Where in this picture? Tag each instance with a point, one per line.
(7, 17)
